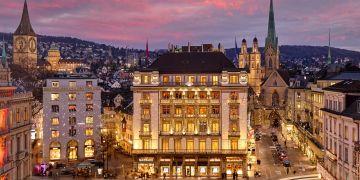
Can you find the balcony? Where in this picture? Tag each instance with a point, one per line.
(165, 101)
(203, 101)
(234, 117)
(178, 115)
(145, 117)
(189, 84)
(144, 133)
(177, 101)
(215, 115)
(189, 151)
(215, 101)
(145, 101)
(233, 101)
(357, 146)
(190, 115)
(234, 133)
(190, 101)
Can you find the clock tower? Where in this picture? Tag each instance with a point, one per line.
(25, 42)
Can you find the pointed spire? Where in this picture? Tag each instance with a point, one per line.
(25, 27)
(271, 36)
(236, 50)
(329, 52)
(3, 56)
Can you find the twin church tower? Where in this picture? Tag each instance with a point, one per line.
(260, 70)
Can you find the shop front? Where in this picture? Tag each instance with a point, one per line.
(165, 166)
(234, 164)
(190, 167)
(215, 164)
(177, 167)
(202, 167)
(146, 165)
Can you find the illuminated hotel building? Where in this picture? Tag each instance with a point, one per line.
(72, 113)
(190, 116)
(15, 125)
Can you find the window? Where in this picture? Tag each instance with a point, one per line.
(234, 144)
(354, 134)
(214, 145)
(72, 96)
(55, 121)
(178, 95)
(72, 84)
(25, 142)
(145, 110)
(89, 131)
(72, 120)
(339, 130)
(55, 96)
(275, 99)
(191, 79)
(166, 126)
(178, 111)
(89, 120)
(89, 83)
(145, 79)
(190, 127)
(55, 150)
(202, 95)
(72, 107)
(346, 133)
(54, 108)
(178, 80)
(234, 79)
(202, 111)
(202, 145)
(165, 95)
(215, 109)
(203, 80)
(346, 154)
(72, 131)
(89, 107)
(215, 95)
(203, 126)
(17, 115)
(234, 110)
(215, 80)
(178, 126)
(190, 94)
(190, 145)
(146, 144)
(190, 110)
(55, 133)
(215, 127)
(165, 144)
(55, 84)
(89, 148)
(165, 109)
(166, 79)
(233, 95)
(89, 96)
(177, 144)
(146, 127)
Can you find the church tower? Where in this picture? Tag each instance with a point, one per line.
(256, 71)
(244, 55)
(272, 52)
(5, 79)
(25, 42)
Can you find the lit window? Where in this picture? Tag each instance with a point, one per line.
(89, 107)
(89, 131)
(166, 126)
(191, 79)
(89, 83)
(145, 79)
(190, 126)
(55, 121)
(55, 84)
(165, 144)
(166, 79)
(55, 96)
(202, 145)
(72, 120)
(89, 96)
(234, 79)
(190, 145)
(214, 127)
(190, 94)
(146, 110)
(89, 148)
(72, 96)
(234, 144)
(55, 133)
(202, 95)
(178, 110)
(190, 110)
(215, 80)
(72, 107)
(177, 144)
(54, 108)
(146, 144)
(165, 95)
(146, 127)
(203, 80)
(72, 84)
(178, 80)
(55, 149)
(89, 120)
(215, 95)
(178, 126)
(215, 145)
(203, 111)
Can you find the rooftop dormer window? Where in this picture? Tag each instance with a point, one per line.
(145, 79)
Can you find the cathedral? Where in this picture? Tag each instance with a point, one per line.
(268, 83)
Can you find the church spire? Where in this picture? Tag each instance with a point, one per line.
(3, 56)
(329, 52)
(25, 27)
(271, 36)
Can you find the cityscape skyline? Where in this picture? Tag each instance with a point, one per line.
(117, 22)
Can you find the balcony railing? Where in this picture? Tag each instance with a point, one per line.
(234, 101)
(144, 133)
(234, 133)
(214, 101)
(187, 84)
(165, 101)
(145, 101)
(203, 101)
(145, 116)
(187, 151)
(190, 101)
(215, 115)
(234, 117)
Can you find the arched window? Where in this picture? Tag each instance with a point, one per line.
(55, 150)
(89, 148)
(72, 150)
(275, 99)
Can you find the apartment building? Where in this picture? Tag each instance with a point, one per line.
(341, 118)
(72, 117)
(190, 116)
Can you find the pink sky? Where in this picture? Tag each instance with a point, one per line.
(131, 22)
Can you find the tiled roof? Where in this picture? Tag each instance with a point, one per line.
(193, 62)
(347, 86)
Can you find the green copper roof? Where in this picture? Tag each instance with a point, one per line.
(271, 36)
(3, 55)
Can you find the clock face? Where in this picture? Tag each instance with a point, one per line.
(20, 44)
(32, 45)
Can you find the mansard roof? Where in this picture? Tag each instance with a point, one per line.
(25, 27)
(192, 62)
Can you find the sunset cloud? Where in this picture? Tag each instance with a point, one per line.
(131, 22)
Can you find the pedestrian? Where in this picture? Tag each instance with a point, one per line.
(164, 174)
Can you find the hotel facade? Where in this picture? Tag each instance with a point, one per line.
(72, 118)
(190, 116)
